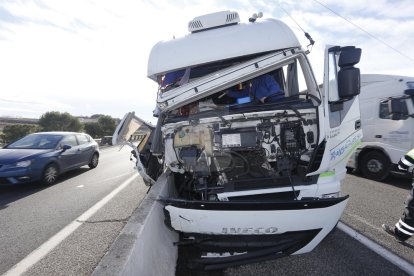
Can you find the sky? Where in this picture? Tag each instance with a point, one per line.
(90, 57)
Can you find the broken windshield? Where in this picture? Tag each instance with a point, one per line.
(280, 88)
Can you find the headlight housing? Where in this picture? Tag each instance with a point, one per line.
(332, 195)
(23, 164)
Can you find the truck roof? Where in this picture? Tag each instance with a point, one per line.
(219, 43)
(381, 85)
(367, 79)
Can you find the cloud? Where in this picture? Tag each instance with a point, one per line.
(30, 106)
(58, 13)
(92, 55)
(6, 16)
(384, 41)
(379, 9)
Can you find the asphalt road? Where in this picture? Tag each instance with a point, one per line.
(374, 203)
(31, 214)
(371, 204)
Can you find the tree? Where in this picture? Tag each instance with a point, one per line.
(104, 127)
(56, 121)
(96, 116)
(93, 129)
(107, 124)
(14, 132)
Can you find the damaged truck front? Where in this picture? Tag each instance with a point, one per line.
(249, 179)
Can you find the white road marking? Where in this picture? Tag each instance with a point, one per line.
(80, 186)
(388, 255)
(55, 240)
(361, 219)
(110, 178)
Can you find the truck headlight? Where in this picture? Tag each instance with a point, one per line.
(331, 195)
(23, 164)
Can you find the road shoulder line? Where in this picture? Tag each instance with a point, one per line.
(36, 255)
(383, 252)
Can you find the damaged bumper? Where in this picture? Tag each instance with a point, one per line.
(235, 233)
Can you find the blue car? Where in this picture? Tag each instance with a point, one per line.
(44, 156)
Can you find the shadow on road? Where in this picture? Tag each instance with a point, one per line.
(397, 181)
(10, 194)
(72, 174)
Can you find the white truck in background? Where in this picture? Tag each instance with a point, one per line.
(387, 136)
(248, 181)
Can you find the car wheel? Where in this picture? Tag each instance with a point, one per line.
(375, 165)
(94, 161)
(50, 174)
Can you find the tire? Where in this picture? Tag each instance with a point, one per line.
(50, 174)
(375, 165)
(94, 161)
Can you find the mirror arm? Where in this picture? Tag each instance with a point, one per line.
(341, 100)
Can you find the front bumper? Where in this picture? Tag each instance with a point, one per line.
(222, 251)
(16, 176)
(235, 233)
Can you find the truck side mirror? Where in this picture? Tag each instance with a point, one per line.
(409, 92)
(396, 108)
(349, 82)
(349, 77)
(396, 116)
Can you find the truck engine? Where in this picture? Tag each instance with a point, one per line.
(242, 158)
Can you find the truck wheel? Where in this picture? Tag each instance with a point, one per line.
(375, 165)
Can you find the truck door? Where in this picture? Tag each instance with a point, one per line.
(341, 127)
(395, 135)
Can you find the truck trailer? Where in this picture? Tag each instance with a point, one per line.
(248, 179)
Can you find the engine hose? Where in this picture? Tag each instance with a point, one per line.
(247, 166)
(232, 164)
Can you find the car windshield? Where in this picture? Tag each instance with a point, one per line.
(36, 141)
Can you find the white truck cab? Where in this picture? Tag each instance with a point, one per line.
(387, 136)
(249, 179)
